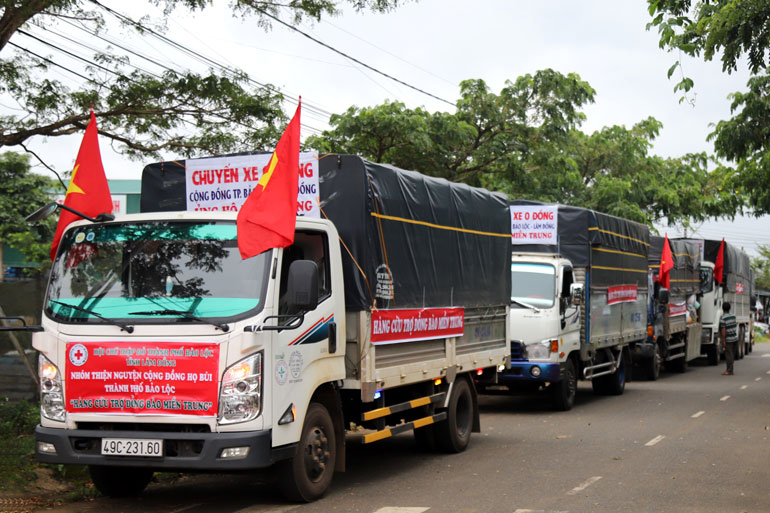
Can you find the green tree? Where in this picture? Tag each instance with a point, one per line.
(179, 111)
(526, 142)
(22, 191)
(486, 141)
(761, 267)
(730, 30)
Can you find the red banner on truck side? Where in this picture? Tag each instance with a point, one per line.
(151, 378)
(404, 325)
(622, 294)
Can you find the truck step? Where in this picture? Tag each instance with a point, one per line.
(676, 346)
(414, 403)
(674, 356)
(406, 426)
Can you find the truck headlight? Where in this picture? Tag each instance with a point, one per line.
(51, 396)
(539, 351)
(240, 398)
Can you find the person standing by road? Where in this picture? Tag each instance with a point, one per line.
(728, 330)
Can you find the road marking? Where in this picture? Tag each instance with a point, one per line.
(744, 387)
(696, 415)
(655, 440)
(585, 484)
(725, 398)
(766, 355)
(260, 509)
(757, 379)
(396, 509)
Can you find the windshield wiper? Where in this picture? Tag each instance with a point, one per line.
(187, 315)
(525, 305)
(122, 326)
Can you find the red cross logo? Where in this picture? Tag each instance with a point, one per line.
(78, 355)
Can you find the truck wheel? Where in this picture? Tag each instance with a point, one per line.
(713, 354)
(454, 434)
(616, 382)
(120, 481)
(564, 391)
(654, 363)
(307, 475)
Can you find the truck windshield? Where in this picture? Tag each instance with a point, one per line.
(154, 272)
(532, 284)
(706, 279)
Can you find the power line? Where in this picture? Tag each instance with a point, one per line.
(308, 107)
(318, 41)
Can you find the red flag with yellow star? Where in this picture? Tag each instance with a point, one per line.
(88, 191)
(666, 264)
(268, 217)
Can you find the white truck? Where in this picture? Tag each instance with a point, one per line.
(161, 349)
(674, 332)
(578, 300)
(736, 287)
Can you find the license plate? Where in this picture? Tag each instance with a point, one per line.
(131, 447)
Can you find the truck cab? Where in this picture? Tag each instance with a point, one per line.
(156, 331)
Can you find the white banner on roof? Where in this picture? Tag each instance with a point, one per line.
(224, 183)
(534, 224)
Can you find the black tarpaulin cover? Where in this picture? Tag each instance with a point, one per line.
(685, 276)
(614, 249)
(737, 265)
(408, 240)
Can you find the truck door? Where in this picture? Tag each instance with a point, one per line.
(309, 355)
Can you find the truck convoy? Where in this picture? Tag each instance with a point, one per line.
(725, 276)
(674, 333)
(578, 300)
(162, 349)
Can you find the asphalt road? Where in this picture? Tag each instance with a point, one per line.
(693, 442)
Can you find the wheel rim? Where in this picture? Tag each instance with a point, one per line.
(316, 453)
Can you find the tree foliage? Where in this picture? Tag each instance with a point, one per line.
(730, 30)
(526, 141)
(761, 266)
(21, 192)
(142, 112)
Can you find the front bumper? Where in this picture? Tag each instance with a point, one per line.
(521, 371)
(181, 450)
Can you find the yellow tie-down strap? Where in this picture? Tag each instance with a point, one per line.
(414, 403)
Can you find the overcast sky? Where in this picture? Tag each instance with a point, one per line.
(434, 44)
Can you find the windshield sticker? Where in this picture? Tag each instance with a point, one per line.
(80, 237)
(90, 237)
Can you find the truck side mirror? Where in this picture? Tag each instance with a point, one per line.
(302, 286)
(576, 293)
(663, 295)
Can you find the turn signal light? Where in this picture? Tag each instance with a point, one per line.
(437, 381)
(554, 346)
(650, 331)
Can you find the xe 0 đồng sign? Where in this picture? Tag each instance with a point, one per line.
(534, 224)
(223, 183)
(405, 325)
(151, 378)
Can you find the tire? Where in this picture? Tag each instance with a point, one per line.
(307, 475)
(616, 382)
(563, 392)
(454, 434)
(713, 355)
(653, 365)
(120, 481)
